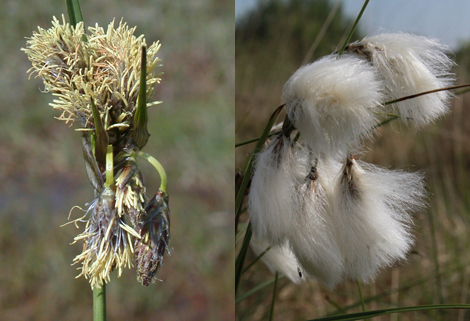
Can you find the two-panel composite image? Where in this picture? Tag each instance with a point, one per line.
(241, 160)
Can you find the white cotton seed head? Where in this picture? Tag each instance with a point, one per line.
(270, 201)
(278, 258)
(409, 65)
(332, 102)
(372, 208)
(311, 237)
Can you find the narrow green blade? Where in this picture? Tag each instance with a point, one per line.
(374, 313)
(141, 134)
(73, 9)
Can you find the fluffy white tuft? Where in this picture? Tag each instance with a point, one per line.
(372, 216)
(270, 201)
(278, 258)
(409, 65)
(312, 236)
(332, 102)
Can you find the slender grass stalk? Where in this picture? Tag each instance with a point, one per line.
(256, 139)
(322, 31)
(156, 164)
(241, 256)
(256, 289)
(271, 311)
(363, 305)
(348, 38)
(336, 305)
(99, 303)
(99, 293)
(256, 260)
(424, 93)
(74, 11)
(375, 313)
(435, 256)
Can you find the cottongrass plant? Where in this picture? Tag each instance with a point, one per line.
(104, 80)
(311, 203)
(341, 218)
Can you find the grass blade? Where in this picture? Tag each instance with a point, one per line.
(73, 9)
(271, 311)
(241, 256)
(375, 313)
(348, 38)
(141, 134)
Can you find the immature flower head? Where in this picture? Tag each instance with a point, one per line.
(278, 259)
(332, 102)
(270, 201)
(410, 64)
(105, 79)
(372, 208)
(108, 240)
(155, 240)
(130, 193)
(104, 69)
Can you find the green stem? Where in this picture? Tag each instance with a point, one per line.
(256, 260)
(241, 256)
(99, 303)
(424, 93)
(158, 167)
(348, 38)
(256, 289)
(360, 295)
(109, 166)
(271, 312)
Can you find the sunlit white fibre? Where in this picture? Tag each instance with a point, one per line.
(409, 65)
(332, 102)
(278, 258)
(270, 201)
(312, 236)
(372, 216)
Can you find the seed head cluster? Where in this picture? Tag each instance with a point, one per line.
(325, 214)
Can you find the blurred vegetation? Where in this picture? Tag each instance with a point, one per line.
(43, 173)
(437, 271)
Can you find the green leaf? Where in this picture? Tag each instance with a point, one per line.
(348, 38)
(140, 133)
(75, 14)
(249, 167)
(241, 256)
(375, 313)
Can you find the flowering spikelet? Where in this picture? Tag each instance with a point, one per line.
(372, 216)
(130, 193)
(155, 232)
(332, 102)
(270, 202)
(409, 65)
(278, 258)
(311, 235)
(108, 240)
(105, 69)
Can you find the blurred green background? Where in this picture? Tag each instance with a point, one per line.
(42, 172)
(272, 41)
